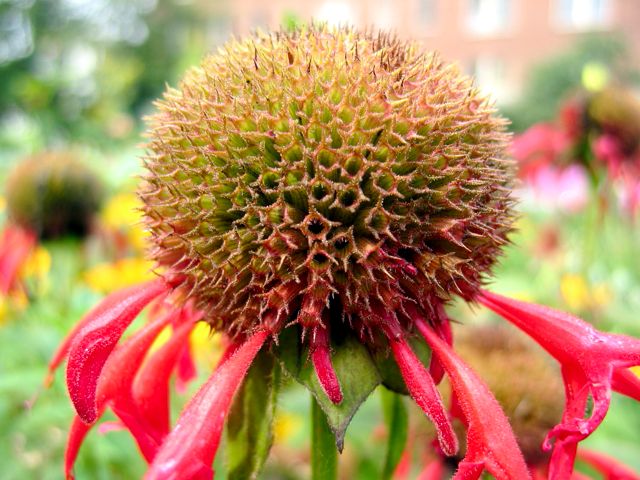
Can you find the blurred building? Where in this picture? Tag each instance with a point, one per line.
(495, 40)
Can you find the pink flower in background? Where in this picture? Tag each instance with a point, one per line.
(566, 189)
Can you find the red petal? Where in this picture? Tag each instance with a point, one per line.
(434, 471)
(321, 358)
(151, 386)
(77, 434)
(491, 443)
(186, 368)
(114, 385)
(442, 326)
(188, 452)
(15, 247)
(610, 468)
(421, 386)
(588, 357)
(626, 382)
(95, 341)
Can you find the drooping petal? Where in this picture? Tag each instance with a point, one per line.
(610, 468)
(321, 358)
(94, 342)
(114, 387)
(421, 386)
(442, 326)
(188, 451)
(76, 436)
(589, 360)
(151, 385)
(491, 444)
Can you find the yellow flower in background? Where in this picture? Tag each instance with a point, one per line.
(286, 427)
(206, 348)
(579, 295)
(12, 304)
(37, 265)
(107, 277)
(122, 214)
(3, 204)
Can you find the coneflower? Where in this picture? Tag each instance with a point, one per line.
(334, 184)
(49, 195)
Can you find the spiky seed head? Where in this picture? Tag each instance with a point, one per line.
(525, 383)
(294, 167)
(53, 194)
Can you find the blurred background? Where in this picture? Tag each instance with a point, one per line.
(77, 78)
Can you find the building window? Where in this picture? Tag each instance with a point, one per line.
(487, 17)
(582, 14)
(336, 13)
(426, 13)
(385, 14)
(491, 77)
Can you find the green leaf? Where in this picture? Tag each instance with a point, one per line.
(354, 367)
(397, 420)
(389, 371)
(249, 426)
(324, 456)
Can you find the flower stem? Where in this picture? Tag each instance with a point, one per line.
(324, 454)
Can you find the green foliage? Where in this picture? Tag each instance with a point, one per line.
(249, 425)
(103, 65)
(397, 421)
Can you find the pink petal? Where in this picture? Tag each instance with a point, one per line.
(403, 469)
(491, 444)
(97, 338)
(421, 386)
(589, 359)
(433, 471)
(188, 452)
(151, 385)
(610, 468)
(321, 358)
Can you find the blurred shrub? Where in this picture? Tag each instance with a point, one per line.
(552, 80)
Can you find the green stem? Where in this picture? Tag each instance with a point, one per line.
(397, 420)
(324, 454)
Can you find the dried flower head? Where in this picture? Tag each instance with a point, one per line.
(53, 194)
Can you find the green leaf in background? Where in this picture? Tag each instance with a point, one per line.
(250, 423)
(397, 420)
(354, 367)
(389, 371)
(324, 457)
